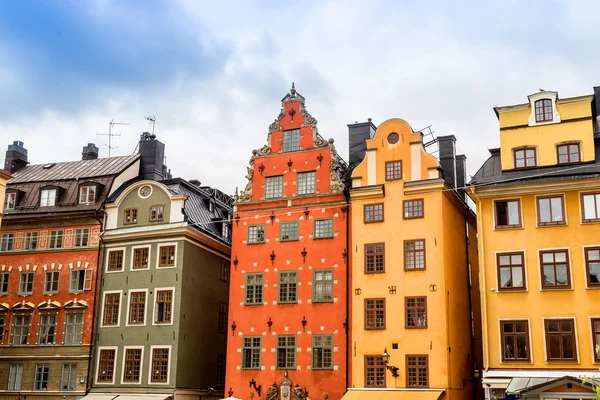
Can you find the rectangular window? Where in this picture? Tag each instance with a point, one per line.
(42, 375)
(286, 352)
(222, 322)
(10, 201)
(26, 283)
(373, 213)
(73, 328)
(256, 234)
(2, 327)
(137, 308)
(220, 370)
(140, 258)
(417, 371)
(555, 269)
(393, 170)
(288, 287)
(20, 336)
(55, 240)
(288, 231)
(160, 365)
(115, 260)
(508, 214)
(322, 352)
(224, 271)
(31, 241)
(273, 187)
(46, 332)
(112, 302)
(15, 377)
(560, 340)
(82, 236)
(511, 270)
(416, 312)
(596, 337)
(166, 256)
(254, 289)
(133, 361)
(8, 240)
(81, 279)
(323, 228)
(322, 286)
(515, 340)
(225, 230)
(164, 306)
(131, 215)
(48, 198)
(157, 212)
(374, 371)
(551, 210)
(251, 348)
(291, 140)
(306, 182)
(412, 208)
(87, 194)
(592, 263)
(68, 377)
(374, 258)
(568, 153)
(374, 313)
(51, 281)
(525, 158)
(4, 278)
(590, 205)
(414, 254)
(106, 365)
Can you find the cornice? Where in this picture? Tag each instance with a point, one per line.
(538, 188)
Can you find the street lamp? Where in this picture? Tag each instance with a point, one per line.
(386, 360)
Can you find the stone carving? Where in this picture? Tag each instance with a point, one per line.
(246, 194)
(298, 393)
(272, 392)
(309, 120)
(336, 184)
(275, 124)
(263, 151)
(320, 142)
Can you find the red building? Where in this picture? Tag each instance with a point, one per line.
(287, 304)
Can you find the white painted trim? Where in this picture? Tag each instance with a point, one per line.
(158, 255)
(564, 206)
(525, 269)
(141, 242)
(172, 306)
(129, 309)
(585, 270)
(541, 274)
(139, 191)
(108, 250)
(540, 373)
(552, 96)
(415, 161)
(150, 364)
(574, 318)
(100, 348)
(120, 292)
(139, 382)
(371, 167)
(530, 362)
(133, 248)
(592, 338)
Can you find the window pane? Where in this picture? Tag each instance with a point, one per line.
(513, 213)
(522, 346)
(505, 280)
(554, 346)
(544, 210)
(556, 204)
(589, 207)
(509, 350)
(561, 275)
(517, 276)
(516, 259)
(549, 279)
(504, 260)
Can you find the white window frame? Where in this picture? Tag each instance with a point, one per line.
(158, 255)
(65, 328)
(85, 276)
(29, 273)
(29, 238)
(22, 365)
(133, 248)
(82, 230)
(155, 309)
(145, 306)
(150, 364)
(100, 348)
(553, 97)
(108, 251)
(120, 292)
(87, 188)
(46, 199)
(10, 201)
(56, 236)
(139, 382)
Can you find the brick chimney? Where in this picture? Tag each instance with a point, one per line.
(90, 152)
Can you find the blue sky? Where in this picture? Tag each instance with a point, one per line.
(213, 73)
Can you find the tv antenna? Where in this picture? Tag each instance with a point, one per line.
(152, 120)
(110, 134)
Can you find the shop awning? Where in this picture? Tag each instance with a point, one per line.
(517, 385)
(391, 394)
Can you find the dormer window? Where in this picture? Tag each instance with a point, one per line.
(543, 110)
(525, 157)
(87, 194)
(568, 153)
(48, 197)
(10, 201)
(211, 206)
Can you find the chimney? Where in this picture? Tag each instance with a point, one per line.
(461, 174)
(152, 157)
(358, 133)
(90, 152)
(596, 108)
(447, 152)
(16, 157)
(195, 182)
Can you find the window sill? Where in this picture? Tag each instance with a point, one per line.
(414, 269)
(322, 369)
(286, 302)
(593, 287)
(288, 240)
(551, 224)
(253, 304)
(590, 221)
(507, 227)
(253, 243)
(322, 301)
(407, 218)
(321, 238)
(518, 362)
(415, 327)
(554, 362)
(373, 222)
(375, 329)
(558, 289)
(513, 290)
(374, 272)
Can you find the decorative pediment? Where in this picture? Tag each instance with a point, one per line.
(49, 305)
(4, 307)
(76, 304)
(24, 306)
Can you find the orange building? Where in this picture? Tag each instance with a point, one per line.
(287, 303)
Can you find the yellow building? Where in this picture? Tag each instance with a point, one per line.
(4, 177)
(538, 208)
(413, 252)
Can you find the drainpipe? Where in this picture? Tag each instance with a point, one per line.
(471, 315)
(348, 298)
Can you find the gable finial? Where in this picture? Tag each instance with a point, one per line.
(293, 91)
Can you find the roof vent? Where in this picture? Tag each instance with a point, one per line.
(48, 166)
(195, 182)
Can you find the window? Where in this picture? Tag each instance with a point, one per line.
(288, 287)
(225, 271)
(373, 213)
(414, 254)
(508, 214)
(306, 182)
(26, 283)
(543, 110)
(7, 242)
(256, 234)
(15, 377)
(568, 153)
(286, 352)
(10, 201)
(323, 228)
(374, 371)
(251, 348)
(515, 340)
(4, 278)
(273, 186)
(42, 373)
(106, 365)
(525, 157)
(592, 263)
(254, 289)
(87, 194)
(133, 361)
(225, 229)
(590, 207)
(68, 377)
(48, 198)
(160, 365)
(416, 312)
(393, 138)
(164, 306)
(115, 260)
(551, 210)
(2, 327)
(413, 208)
(20, 336)
(560, 340)
(222, 324)
(81, 280)
(112, 302)
(291, 140)
(322, 286)
(137, 308)
(81, 237)
(288, 231)
(55, 240)
(73, 328)
(511, 270)
(157, 212)
(31, 241)
(322, 352)
(374, 313)
(555, 269)
(220, 370)
(46, 332)
(417, 371)
(130, 216)
(51, 281)
(596, 337)
(374, 258)
(140, 258)
(166, 256)
(393, 170)
(211, 206)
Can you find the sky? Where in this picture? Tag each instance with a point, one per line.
(213, 73)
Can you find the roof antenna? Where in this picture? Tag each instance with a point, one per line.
(110, 134)
(152, 120)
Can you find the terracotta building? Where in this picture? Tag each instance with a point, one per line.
(287, 303)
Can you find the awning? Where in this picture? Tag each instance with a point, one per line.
(391, 394)
(517, 385)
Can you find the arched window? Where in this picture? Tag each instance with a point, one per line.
(543, 110)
